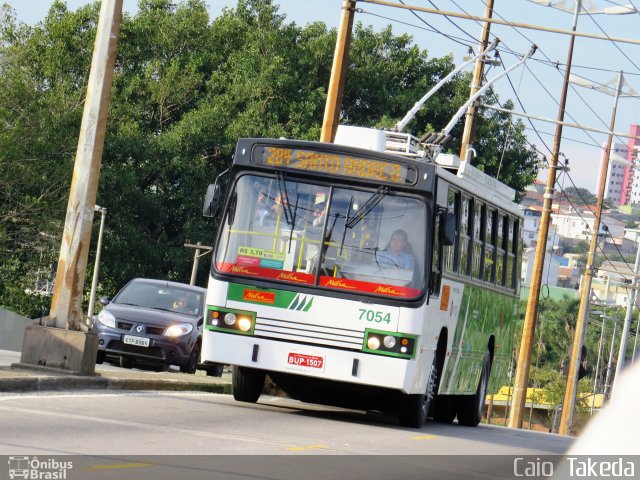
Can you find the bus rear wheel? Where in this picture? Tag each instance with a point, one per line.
(471, 407)
(247, 383)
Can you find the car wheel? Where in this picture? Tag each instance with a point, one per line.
(471, 407)
(247, 383)
(192, 364)
(126, 362)
(101, 356)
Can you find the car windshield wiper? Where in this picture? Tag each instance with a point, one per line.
(369, 205)
(126, 303)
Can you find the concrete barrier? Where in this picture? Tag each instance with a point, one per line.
(12, 328)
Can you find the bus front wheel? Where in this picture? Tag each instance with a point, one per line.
(414, 409)
(247, 383)
(471, 408)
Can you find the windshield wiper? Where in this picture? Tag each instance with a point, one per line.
(346, 222)
(369, 205)
(293, 223)
(284, 198)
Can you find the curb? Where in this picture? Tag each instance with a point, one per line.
(58, 383)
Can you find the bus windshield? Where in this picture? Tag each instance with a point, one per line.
(362, 241)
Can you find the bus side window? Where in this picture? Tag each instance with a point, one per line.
(451, 252)
(510, 263)
(478, 237)
(517, 254)
(465, 237)
(502, 249)
(489, 246)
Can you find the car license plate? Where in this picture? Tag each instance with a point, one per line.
(308, 361)
(139, 341)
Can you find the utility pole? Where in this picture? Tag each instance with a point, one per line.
(529, 328)
(196, 258)
(66, 303)
(629, 315)
(469, 126)
(607, 381)
(338, 73)
(574, 364)
(96, 266)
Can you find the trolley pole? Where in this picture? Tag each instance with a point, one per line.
(338, 73)
(469, 125)
(529, 328)
(66, 302)
(574, 364)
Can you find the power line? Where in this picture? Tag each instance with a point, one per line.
(614, 43)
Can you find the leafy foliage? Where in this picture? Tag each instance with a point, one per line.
(186, 87)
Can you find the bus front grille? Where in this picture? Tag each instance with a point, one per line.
(309, 333)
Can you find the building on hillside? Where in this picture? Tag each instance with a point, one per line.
(611, 283)
(531, 229)
(549, 271)
(616, 172)
(579, 227)
(631, 191)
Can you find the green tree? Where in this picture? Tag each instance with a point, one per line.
(186, 87)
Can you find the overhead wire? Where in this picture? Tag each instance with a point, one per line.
(615, 44)
(542, 84)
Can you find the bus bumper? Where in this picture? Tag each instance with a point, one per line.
(313, 361)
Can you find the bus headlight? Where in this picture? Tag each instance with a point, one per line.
(389, 341)
(230, 318)
(225, 320)
(244, 324)
(399, 345)
(373, 343)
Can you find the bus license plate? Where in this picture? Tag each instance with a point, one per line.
(302, 360)
(139, 341)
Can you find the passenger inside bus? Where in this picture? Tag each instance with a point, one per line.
(398, 252)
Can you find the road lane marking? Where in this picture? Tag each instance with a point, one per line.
(162, 428)
(307, 447)
(117, 466)
(423, 437)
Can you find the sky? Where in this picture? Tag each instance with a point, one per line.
(537, 87)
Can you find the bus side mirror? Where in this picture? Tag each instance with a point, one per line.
(212, 200)
(449, 227)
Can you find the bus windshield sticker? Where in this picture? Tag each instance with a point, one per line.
(259, 257)
(336, 164)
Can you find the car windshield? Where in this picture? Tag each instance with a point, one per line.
(360, 241)
(161, 297)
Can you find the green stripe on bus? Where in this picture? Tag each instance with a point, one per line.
(269, 297)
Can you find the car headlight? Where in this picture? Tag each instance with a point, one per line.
(178, 330)
(107, 319)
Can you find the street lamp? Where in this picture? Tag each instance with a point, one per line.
(96, 268)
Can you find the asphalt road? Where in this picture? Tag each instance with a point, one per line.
(158, 435)
(155, 423)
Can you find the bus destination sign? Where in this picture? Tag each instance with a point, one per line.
(335, 164)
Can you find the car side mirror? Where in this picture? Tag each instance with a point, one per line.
(448, 224)
(212, 200)
(105, 300)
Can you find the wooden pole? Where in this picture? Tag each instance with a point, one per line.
(338, 73)
(66, 303)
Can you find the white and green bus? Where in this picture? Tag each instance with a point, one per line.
(362, 278)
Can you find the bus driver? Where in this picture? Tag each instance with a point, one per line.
(398, 252)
